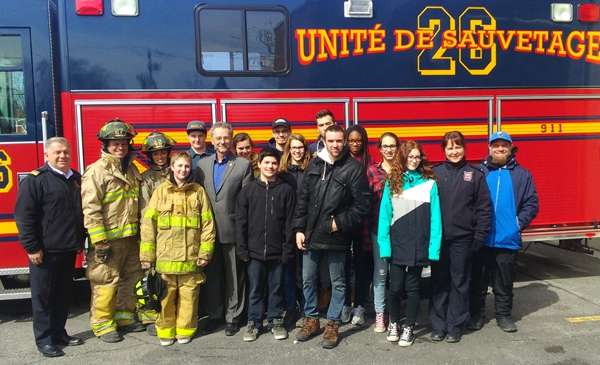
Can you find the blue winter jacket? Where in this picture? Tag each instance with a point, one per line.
(515, 202)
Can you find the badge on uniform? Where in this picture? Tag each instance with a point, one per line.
(467, 175)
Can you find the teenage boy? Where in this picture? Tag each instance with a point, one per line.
(281, 132)
(265, 241)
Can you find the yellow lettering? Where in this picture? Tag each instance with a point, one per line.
(593, 46)
(357, 36)
(303, 58)
(376, 37)
(424, 37)
(449, 39)
(403, 33)
(540, 37)
(344, 51)
(556, 45)
(467, 40)
(327, 40)
(505, 37)
(523, 39)
(579, 50)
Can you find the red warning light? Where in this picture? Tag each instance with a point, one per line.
(588, 13)
(89, 7)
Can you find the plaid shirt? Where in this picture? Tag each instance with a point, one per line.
(377, 177)
(364, 228)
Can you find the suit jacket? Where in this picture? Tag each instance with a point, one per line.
(237, 174)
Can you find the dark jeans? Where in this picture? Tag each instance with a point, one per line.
(363, 271)
(51, 284)
(501, 265)
(293, 294)
(260, 274)
(449, 302)
(403, 278)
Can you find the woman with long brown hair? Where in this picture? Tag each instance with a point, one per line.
(294, 160)
(410, 232)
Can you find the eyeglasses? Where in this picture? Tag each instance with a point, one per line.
(281, 131)
(413, 158)
(355, 141)
(301, 148)
(388, 147)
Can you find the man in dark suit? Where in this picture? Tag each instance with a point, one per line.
(223, 177)
(50, 221)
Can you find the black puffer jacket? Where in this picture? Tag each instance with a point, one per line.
(48, 212)
(337, 191)
(464, 199)
(263, 216)
(294, 177)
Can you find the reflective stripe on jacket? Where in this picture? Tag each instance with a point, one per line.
(110, 198)
(177, 228)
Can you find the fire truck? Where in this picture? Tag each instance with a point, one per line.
(416, 68)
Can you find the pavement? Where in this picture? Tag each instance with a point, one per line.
(556, 308)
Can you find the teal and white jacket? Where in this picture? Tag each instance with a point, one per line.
(410, 224)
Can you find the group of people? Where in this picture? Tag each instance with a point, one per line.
(244, 223)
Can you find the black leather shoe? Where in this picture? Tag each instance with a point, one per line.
(210, 326)
(231, 329)
(506, 324)
(51, 351)
(453, 337)
(438, 335)
(475, 324)
(67, 340)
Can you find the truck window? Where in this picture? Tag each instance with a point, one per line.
(242, 41)
(12, 86)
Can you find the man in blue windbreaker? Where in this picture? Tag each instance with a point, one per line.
(514, 205)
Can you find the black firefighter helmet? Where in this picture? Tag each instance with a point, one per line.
(150, 290)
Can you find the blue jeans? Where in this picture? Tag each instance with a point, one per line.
(262, 274)
(310, 275)
(380, 274)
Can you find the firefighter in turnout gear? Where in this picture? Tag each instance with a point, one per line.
(157, 147)
(109, 191)
(178, 235)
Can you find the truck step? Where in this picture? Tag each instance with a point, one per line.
(19, 293)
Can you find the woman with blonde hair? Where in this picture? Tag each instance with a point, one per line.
(410, 233)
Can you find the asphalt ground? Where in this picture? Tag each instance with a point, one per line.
(556, 308)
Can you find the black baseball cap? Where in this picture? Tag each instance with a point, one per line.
(196, 125)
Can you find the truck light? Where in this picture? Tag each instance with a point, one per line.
(124, 7)
(561, 12)
(358, 9)
(588, 13)
(89, 7)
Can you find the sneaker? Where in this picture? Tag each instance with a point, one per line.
(151, 329)
(346, 311)
(111, 337)
(278, 331)
(251, 333)
(358, 315)
(330, 335)
(407, 337)
(184, 340)
(393, 335)
(379, 326)
(166, 341)
(310, 328)
(134, 327)
(506, 324)
(475, 323)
